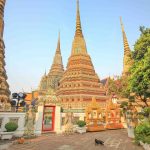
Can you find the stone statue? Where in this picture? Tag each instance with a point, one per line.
(4, 106)
(29, 122)
(131, 119)
(69, 122)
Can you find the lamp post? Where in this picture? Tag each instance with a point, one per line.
(18, 98)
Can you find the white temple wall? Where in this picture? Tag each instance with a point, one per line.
(38, 120)
(18, 117)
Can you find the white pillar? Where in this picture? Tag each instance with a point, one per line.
(39, 120)
(57, 125)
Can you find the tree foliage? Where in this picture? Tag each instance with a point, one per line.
(119, 87)
(142, 44)
(139, 80)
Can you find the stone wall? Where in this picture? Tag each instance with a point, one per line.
(19, 118)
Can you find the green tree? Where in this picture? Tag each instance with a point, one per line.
(119, 87)
(139, 80)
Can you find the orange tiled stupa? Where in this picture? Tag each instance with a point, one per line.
(4, 87)
(80, 81)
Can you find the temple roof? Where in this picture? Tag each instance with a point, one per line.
(104, 81)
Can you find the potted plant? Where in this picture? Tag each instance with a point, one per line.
(10, 128)
(142, 130)
(142, 135)
(81, 128)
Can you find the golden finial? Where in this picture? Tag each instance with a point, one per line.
(58, 43)
(122, 27)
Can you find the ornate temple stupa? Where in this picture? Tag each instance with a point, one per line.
(80, 81)
(50, 81)
(4, 87)
(127, 60)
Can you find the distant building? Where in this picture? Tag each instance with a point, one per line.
(31, 96)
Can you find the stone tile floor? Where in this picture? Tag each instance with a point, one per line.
(114, 140)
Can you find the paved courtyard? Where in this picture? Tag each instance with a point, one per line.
(114, 140)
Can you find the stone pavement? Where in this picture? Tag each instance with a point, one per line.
(114, 140)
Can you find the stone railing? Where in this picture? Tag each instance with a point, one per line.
(18, 118)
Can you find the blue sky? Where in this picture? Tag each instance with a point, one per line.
(31, 33)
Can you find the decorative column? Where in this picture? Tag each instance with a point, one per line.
(4, 87)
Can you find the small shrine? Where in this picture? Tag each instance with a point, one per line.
(113, 117)
(94, 116)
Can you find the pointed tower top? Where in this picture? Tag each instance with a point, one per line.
(58, 44)
(57, 65)
(125, 41)
(78, 23)
(78, 45)
(45, 73)
(122, 27)
(127, 61)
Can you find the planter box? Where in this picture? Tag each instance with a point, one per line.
(6, 135)
(81, 130)
(145, 145)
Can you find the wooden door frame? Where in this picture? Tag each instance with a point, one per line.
(53, 118)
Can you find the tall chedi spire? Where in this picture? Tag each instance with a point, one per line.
(79, 82)
(51, 81)
(127, 61)
(4, 87)
(78, 32)
(57, 66)
(79, 45)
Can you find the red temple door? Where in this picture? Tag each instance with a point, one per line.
(48, 118)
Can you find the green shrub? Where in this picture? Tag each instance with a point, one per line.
(81, 123)
(11, 126)
(142, 133)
